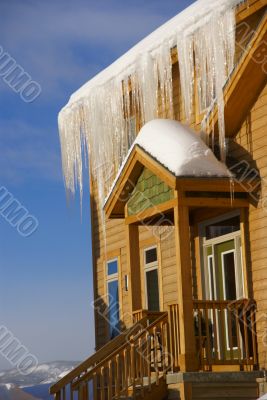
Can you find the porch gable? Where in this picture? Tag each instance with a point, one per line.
(149, 191)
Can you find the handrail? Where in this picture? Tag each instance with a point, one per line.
(130, 342)
(139, 314)
(97, 357)
(129, 367)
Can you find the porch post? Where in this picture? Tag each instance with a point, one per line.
(187, 358)
(133, 265)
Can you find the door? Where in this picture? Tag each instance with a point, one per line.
(223, 277)
(151, 279)
(226, 260)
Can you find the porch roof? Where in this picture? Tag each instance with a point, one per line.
(175, 154)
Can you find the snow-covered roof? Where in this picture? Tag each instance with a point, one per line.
(192, 18)
(178, 148)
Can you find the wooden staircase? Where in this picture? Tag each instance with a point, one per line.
(133, 365)
(143, 362)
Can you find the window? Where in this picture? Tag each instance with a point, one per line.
(113, 298)
(151, 279)
(222, 227)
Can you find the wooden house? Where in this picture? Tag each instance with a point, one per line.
(179, 241)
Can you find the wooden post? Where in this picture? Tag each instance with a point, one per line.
(133, 265)
(187, 359)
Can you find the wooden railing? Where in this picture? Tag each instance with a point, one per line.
(97, 357)
(150, 315)
(225, 333)
(129, 369)
(130, 364)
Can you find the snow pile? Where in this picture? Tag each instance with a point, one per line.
(264, 397)
(9, 386)
(179, 149)
(97, 118)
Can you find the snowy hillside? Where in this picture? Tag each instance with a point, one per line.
(10, 392)
(14, 386)
(44, 374)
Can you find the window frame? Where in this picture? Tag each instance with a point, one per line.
(148, 267)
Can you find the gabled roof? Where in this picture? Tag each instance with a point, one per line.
(170, 150)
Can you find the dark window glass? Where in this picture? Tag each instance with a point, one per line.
(112, 267)
(152, 285)
(151, 255)
(113, 309)
(229, 276)
(223, 227)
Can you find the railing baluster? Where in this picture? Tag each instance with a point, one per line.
(230, 332)
(102, 383)
(215, 333)
(70, 390)
(253, 333)
(141, 365)
(118, 380)
(133, 365)
(208, 341)
(126, 376)
(200, 343)
(244, 320)
(155, 354)
(110, 377)
(148, 355)
(95, 394)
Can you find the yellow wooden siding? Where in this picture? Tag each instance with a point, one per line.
(250, 144)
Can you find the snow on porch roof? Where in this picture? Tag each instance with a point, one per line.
(192, 17)
(178, 148)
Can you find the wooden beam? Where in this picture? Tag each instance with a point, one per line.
(133, 263)
(138, 159)
(213, 184)
(187, 358)
(151, 212)
(154, 166)
(248, 8)
(214, 202)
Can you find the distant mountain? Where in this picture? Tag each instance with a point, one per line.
(10, 392)
(36, 384)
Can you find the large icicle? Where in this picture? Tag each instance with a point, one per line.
(99, 115)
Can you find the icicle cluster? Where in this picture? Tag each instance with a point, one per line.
(98, 116)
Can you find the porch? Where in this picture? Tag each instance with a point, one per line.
(144, 361)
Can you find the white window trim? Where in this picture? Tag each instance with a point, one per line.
(223, 270)
(224, 291)
(211, 257)
(148, 267)
(112, 278)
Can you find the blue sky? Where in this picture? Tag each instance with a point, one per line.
(46, 279)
